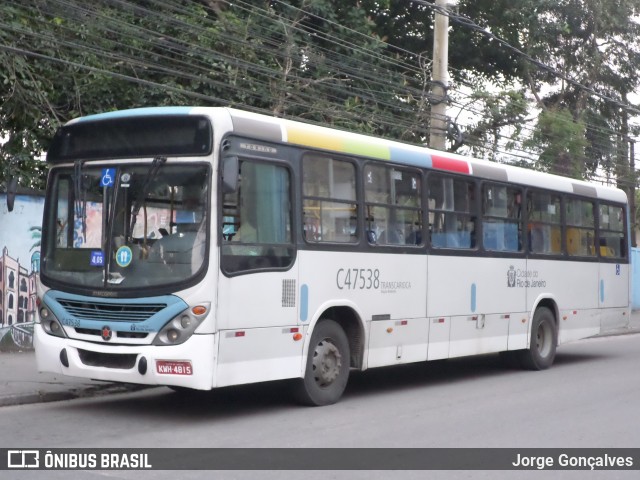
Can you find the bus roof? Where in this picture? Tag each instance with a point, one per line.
(280, 130)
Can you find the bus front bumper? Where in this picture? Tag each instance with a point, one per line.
(190, 364)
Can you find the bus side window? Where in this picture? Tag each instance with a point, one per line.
(544, 222)
(452, 222)
(501, 222)
(260, 211)
(393, 200)
(329, 200)
(580, 227)
(256, 219)
(611, 233)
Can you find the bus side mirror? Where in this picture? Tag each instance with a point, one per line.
(230, 174)
(11, 193)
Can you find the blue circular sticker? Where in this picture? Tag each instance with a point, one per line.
(124, 255)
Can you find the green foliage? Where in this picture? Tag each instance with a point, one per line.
(24, 110)
(499, 109)
(70, 58)
(561, 142)
(589, 49)
(361, 65)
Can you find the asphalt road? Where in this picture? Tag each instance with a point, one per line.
(590, 398)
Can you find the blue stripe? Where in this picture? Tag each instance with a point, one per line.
(304, 302)
(410, 156)
(602, 291)
(136, 112)
(473, 297)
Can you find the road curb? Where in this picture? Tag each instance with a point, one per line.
(43, 396)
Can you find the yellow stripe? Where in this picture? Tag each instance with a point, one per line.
(314, 138)
(336, 141)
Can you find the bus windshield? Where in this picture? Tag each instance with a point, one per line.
(127, 226)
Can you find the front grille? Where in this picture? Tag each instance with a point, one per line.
(123, 361)
(131, 334)
(98, 333)
(88, 331)
(117, 312)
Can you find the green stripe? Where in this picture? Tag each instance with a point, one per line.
(358, 147)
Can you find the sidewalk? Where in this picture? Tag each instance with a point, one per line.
(21, 383)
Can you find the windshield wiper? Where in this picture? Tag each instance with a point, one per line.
(80, 197)
(109, 213)
(142, 195)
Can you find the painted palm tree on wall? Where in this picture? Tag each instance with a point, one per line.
(36, 236)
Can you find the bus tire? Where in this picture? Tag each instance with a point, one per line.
(544, 340)
(327, 369)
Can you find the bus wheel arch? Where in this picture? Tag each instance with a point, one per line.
(335, 346)
(350, 321)
(543, 340)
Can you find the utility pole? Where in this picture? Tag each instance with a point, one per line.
(632, 191)
(439, 79)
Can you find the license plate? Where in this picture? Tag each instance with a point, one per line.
(172, 367)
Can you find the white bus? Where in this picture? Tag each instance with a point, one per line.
(205, 247)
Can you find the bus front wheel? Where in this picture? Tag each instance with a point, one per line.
(544, 339)
(327, 368)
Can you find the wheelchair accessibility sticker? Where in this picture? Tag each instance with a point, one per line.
(108, 177)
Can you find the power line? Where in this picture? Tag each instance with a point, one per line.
(187, 59)
(467, 22)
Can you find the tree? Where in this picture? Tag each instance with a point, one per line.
(583, 61)
(561, 141)
(295, 59)
(576, 56)
(361, 65)
(499, 109)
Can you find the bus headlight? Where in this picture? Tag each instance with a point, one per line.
(185, 321)
(50, 323)
(173, 335)
(180, 328)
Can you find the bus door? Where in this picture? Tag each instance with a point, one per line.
(613, 286)
(257, 295)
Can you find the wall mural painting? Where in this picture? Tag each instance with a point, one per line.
(20, 232)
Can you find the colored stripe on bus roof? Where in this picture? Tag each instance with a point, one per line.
(450, 164)
(336, 141)
(343, 142)
(409, 156)
(366, 149)
(315, 138)
(136, 112)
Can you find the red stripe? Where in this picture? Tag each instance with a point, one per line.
(450, 164)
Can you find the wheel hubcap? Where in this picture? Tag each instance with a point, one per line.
(543, 339)
(327, 362)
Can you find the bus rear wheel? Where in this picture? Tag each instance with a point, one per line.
(544, 339)
(327, 369)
